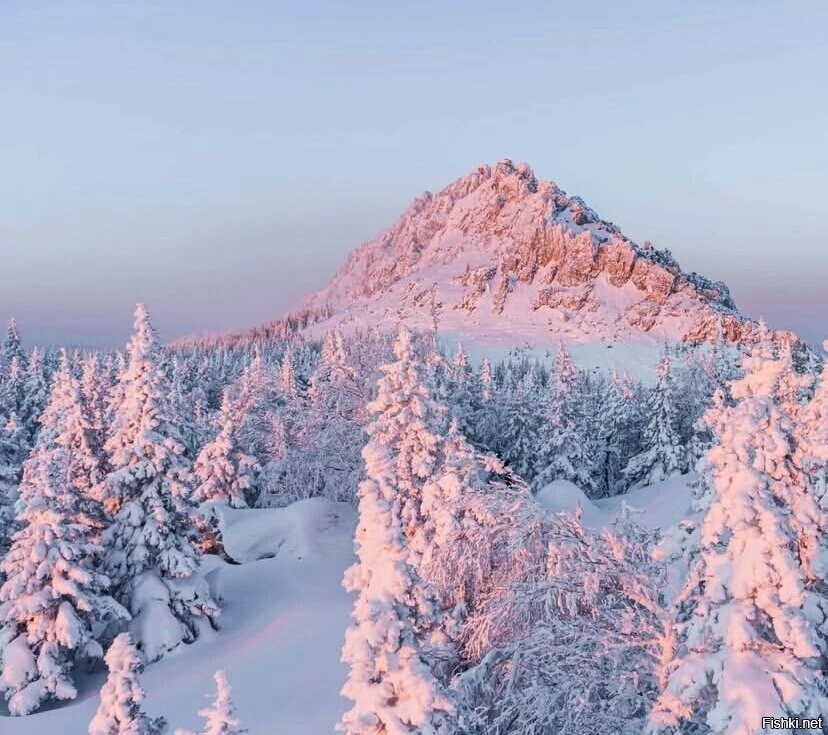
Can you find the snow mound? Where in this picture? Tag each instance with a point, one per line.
(658, 506)
(294, 531)
(563, 496)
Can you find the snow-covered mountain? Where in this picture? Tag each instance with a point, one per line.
(500, 257)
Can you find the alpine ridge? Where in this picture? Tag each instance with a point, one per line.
(499, 254)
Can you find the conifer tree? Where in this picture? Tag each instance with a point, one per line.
(120, 711)
(391, 681)
(749, 638)
(94, 388)
(331, 436)
(13, 451)
(812, 453)
(12, 350)
(220, 718)
(517, 427)
(54, 601)
(463, 391)
(564, 451)
(486, 381)
(662, 455)
(151, 542)
(35, 395)
(226, 474)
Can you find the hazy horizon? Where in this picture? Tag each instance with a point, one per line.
(219, 162)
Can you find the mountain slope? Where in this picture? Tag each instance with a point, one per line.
(498, 254)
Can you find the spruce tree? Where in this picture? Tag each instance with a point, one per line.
(564, 451)
(812, 453)
(226, 474)
(54, 601)
(12, 350)
(220, 718)
(391, 681)
(120, 711)
(94, 388)
(749, 638)
(662, 455)
(151, 542)
(13, 450)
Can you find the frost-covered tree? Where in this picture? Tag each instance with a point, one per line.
(13, 451)
(812, 452)
(617, 423)
(463, 391)
(471, 510)
(12, 350)
(13, 394)
(151, 542)
(94, 388)
(564, 450)
(55, 601)
(35, 394)
(749, 638)
(226, 474)
(568, 640)
(486, 379)
(325, 449)
(120, 711)
(220, 718)
(517, 425)
(663, 455)
(391, 681)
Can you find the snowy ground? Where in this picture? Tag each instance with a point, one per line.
(658, 506)
(281, 633)
(285, 614)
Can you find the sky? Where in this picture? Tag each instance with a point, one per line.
(218, 160)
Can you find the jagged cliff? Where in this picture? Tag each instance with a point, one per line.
(498, 252)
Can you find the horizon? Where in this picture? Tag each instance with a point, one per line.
(696, 129)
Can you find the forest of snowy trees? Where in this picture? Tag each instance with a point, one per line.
(475, 610)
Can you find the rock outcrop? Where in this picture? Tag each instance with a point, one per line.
(500, 245)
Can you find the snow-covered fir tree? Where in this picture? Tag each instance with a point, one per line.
(54, 601)
(35, 394)
(94, 388)
(749, 638)
(220, 718)
(463, 391)
(516, 426)
(391, 680)
(331, 436)
(226, 474)
(12, 350)
(151, 541)
(812, 451)
(564, 450)
(662, 455)
(120, 711)
(616, 434)
(13, 450)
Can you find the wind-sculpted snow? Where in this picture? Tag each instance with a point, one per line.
(500, 255)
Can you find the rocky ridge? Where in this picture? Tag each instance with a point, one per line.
(499, 245)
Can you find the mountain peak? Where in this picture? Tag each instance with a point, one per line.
(499, 250)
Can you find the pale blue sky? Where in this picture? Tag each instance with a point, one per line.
(219, 159)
